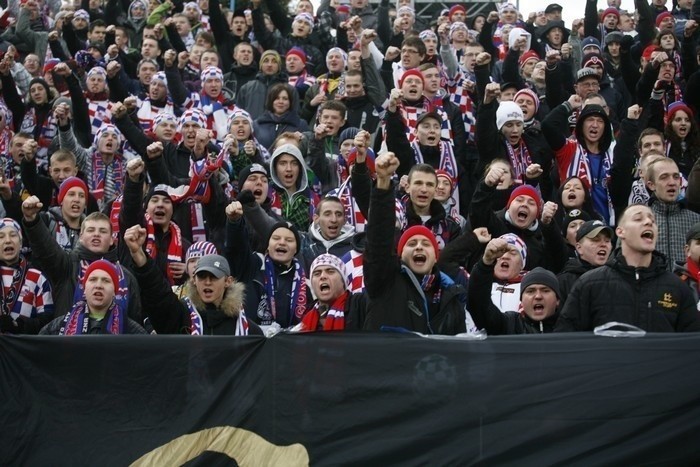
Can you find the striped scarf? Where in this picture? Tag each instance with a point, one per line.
(106, 181)
(197, 323)
(297, 300)
(77, 321)
(335, 316)
(520, 159)
(580, 167)
(354, 261)
(174, 247)
(99, 112)
(410, 114)
(461, 97)
(43, 132)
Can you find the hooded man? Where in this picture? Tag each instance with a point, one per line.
(292, 197)
(589, 156)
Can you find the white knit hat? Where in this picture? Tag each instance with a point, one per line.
(508, 111)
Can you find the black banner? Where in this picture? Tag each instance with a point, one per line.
(340, 399)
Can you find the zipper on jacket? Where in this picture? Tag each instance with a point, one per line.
(541, 328)
(412, 306)
(636, 274)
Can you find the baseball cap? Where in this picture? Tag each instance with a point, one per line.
(214, 264)
(590, 229)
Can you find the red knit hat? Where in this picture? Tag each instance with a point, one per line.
(105, 266)
(610, 11)
(418, 230)
(445, 174)
(662, 16)
(71, 182)
(675, 107)
(530, 54)
(455, 9)
(411, 72)
(526, 190)
(299, 53)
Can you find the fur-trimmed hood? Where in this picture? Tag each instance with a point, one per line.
(231, 305)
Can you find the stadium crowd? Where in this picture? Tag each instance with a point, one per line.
(186, 168)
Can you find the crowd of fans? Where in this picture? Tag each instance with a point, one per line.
(184, 168)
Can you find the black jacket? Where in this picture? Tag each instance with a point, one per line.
(487, 316)
(396, 298)
(650, 298)
(573, 269)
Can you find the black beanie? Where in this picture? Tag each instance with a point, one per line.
(250, 169)
(288, 226)
(540, 276)
(43, 83)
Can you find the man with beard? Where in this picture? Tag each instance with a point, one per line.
(634, 287)
(593, 247)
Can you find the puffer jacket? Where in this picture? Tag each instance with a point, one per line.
(651, 298)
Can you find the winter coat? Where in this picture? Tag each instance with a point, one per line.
(573, 269)
(651, 298)
(316, 245)
(251, 96)
(674, 222)
(170, 315)
(63, 268)
(487, 316)
(269, 126)
(395, 295)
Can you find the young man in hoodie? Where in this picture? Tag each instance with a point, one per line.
(292, 198)
(589, 156)
(214, 305)
(328, 233)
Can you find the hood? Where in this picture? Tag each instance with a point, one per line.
(230, 306)
(302, 182)
(575, 266)
(145, 8)
(588, 111)
(346, 234)
(551, 25)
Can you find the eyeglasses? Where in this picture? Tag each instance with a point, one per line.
(409, 51)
